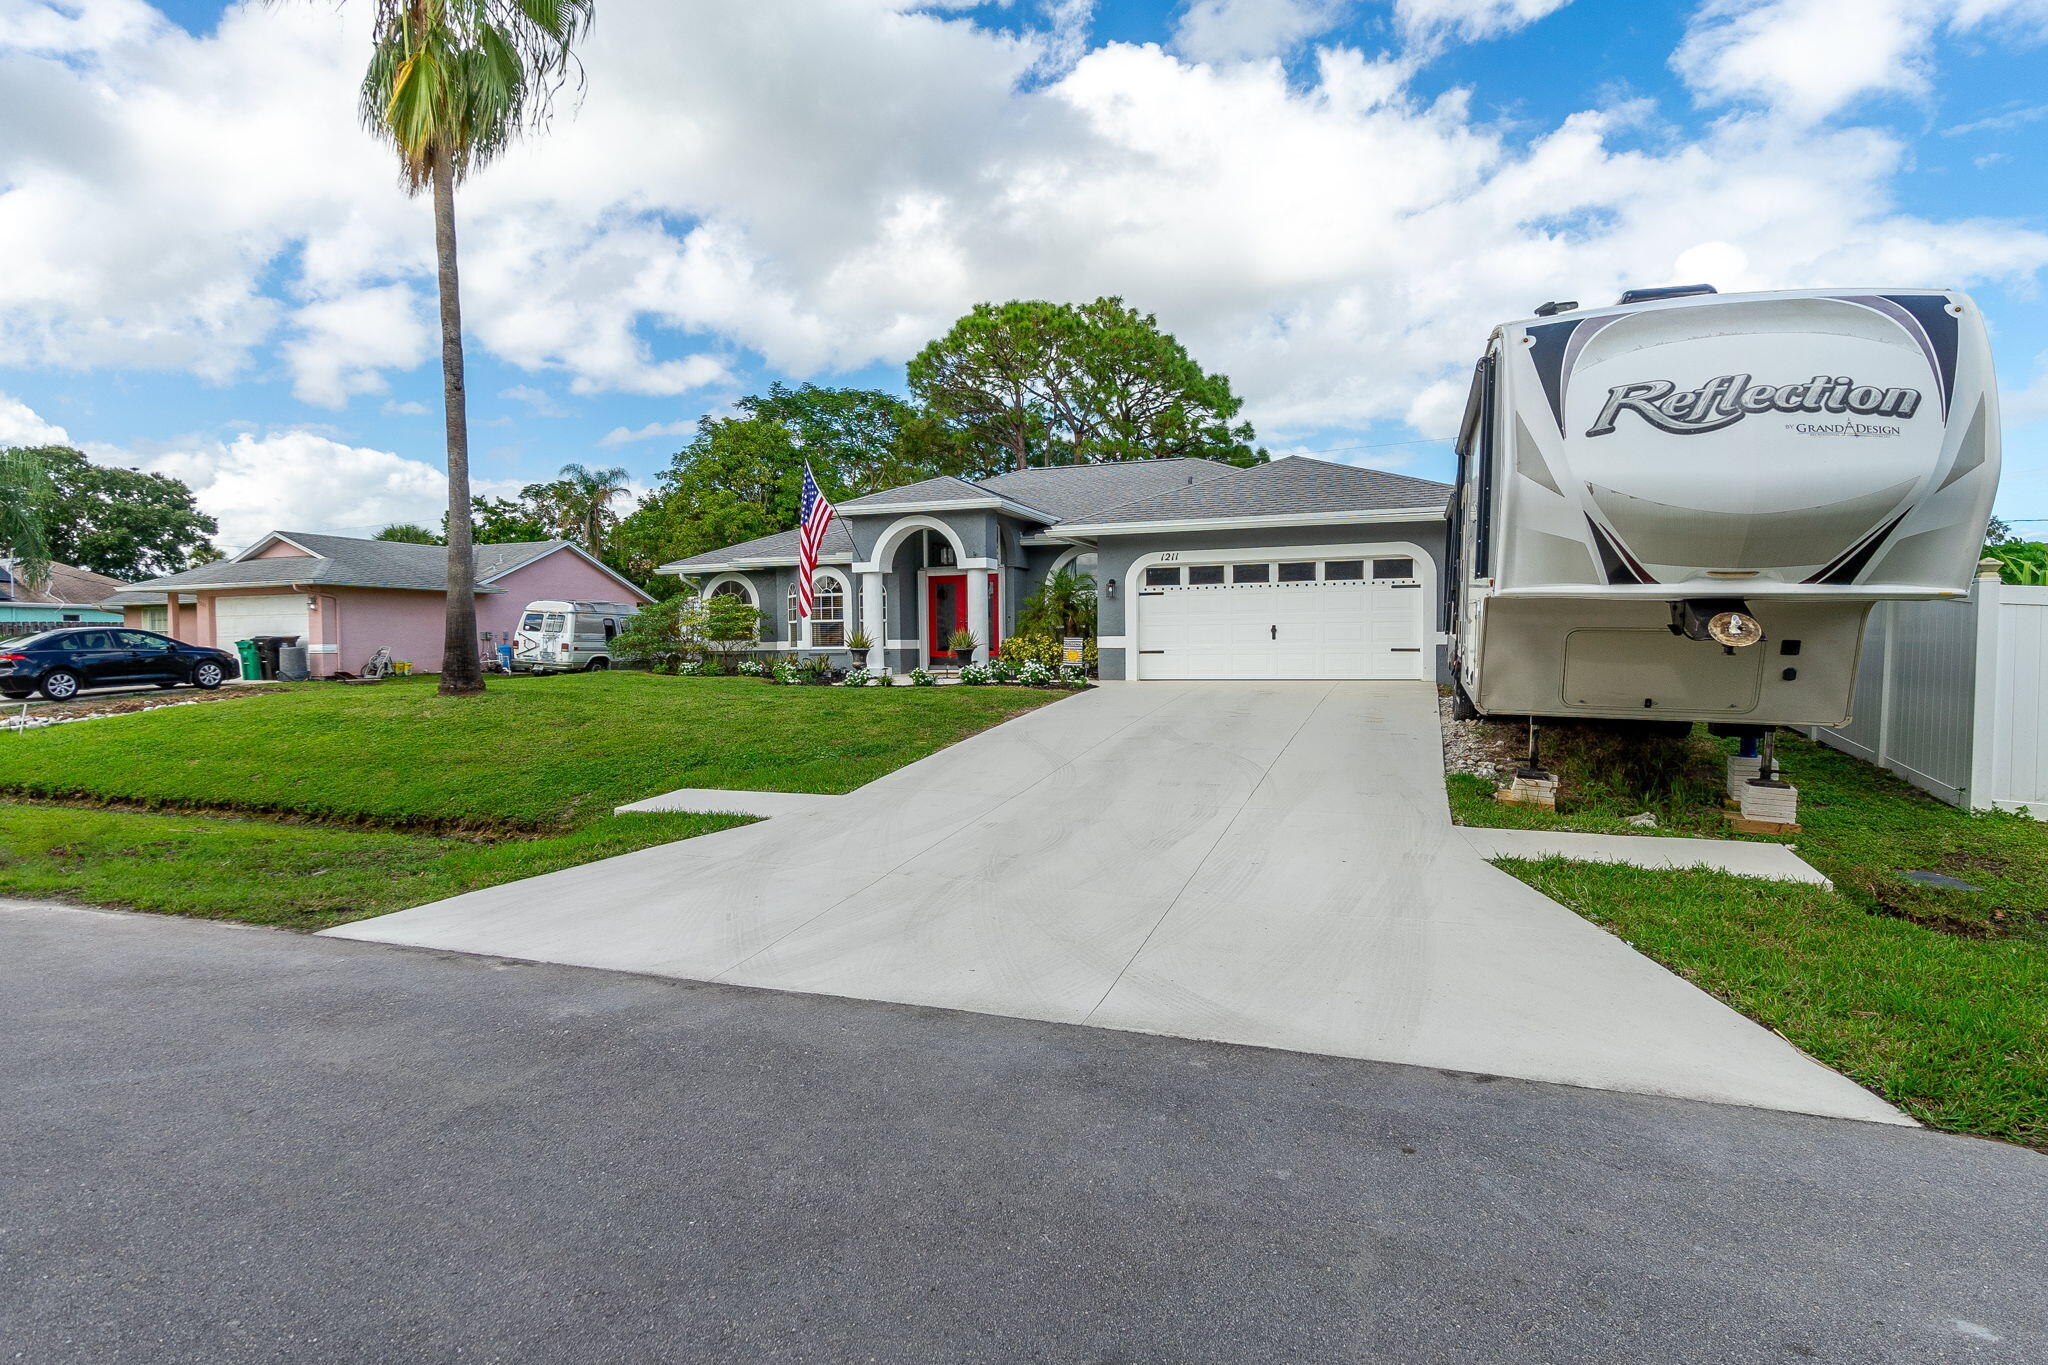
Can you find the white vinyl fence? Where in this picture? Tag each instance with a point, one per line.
(1953, 697)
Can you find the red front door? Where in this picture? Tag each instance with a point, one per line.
(946, 611)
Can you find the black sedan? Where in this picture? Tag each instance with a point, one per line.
(62, 663)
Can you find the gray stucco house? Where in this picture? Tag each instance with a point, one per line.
(1295, 569)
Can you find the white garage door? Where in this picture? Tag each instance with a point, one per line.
(244, 618)
(1263, 615)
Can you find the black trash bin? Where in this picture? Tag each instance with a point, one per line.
(267, 647)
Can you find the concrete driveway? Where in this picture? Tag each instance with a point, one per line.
(1264, 863)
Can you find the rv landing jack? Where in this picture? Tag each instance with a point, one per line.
(1532, 785)
(1764, 803)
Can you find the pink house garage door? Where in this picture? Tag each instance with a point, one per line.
(1361, 616)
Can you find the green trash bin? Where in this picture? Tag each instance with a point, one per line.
(252, 667)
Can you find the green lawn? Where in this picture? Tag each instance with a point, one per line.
(295, 876)
(315, 805)
(1937, 999)
(530, 754)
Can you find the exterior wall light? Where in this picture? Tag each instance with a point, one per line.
(1109, 589)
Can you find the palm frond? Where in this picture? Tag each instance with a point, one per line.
(466, 78)
(25, 493)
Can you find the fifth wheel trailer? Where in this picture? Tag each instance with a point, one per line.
(1683, 507)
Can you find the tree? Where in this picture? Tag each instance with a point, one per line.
(587, 496)
(450, 85)
(406, 533)
(741, 476)
(1063, 605)
(119, 522)
(24, 494)
(728, 625)
(660, 634)
(1052, 383)
(500, 520)
(1997, 532)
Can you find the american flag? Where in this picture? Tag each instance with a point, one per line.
(813, 516)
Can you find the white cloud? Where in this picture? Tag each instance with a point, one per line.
(409, 408)
(1470, 19)
(1337, 241)
(20, 426)
(295, 480)
(538, 401)
(653, 431)
(1810, 59)
(1227, 30)
(341, 346)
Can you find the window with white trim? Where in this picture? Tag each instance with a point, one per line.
(828, 613)
(796, 620)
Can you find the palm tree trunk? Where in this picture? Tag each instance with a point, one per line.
(460, 672)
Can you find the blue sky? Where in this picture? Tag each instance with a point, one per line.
(1330, 200)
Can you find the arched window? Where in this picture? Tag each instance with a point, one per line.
(732, 587)
(828, 612)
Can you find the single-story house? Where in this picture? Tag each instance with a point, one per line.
(1300, 568)
(68, 596)
(348, 597)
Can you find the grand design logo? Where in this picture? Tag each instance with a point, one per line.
(1726, 399)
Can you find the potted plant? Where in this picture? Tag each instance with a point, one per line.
(963, 644)
(858, 644)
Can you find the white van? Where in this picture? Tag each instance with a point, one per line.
(564, 637)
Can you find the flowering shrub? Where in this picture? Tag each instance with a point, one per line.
(1074, 675)
(977, 675)
(860, 677)
(753, 668)
(787, 674)
(689, 668)
(1036, 674)
(922, 677)
(1002, 670)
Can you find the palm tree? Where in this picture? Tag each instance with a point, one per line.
(451, 84)
(588, 499)
(24, 494)
(1063, 605)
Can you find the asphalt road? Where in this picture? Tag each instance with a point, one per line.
(228, 1145)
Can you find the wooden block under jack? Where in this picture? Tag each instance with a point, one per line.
(1737, 823)
(1530, 788)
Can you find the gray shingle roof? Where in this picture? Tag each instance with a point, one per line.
(1295, 486)
(350, 562)
(1072, 492)
(838, 544)
(944, 488)
(67, 585)
(1129, 492)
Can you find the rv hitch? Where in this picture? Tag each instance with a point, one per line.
(1723, 620)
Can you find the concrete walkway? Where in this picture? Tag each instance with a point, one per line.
(1775, 861)
(1270, 864)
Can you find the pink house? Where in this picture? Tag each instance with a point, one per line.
(347, 597)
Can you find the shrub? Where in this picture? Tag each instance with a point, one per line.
(922, 677)
(1035, 674)
(977, 675)
(785, 673)
(1020, 650)
(859, 677)
(753, 668)
(690, 668)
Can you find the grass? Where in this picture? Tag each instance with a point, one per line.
(531, 754)
(293, 876)
(1931, 997)
(1949, 1029)
(310, 806)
